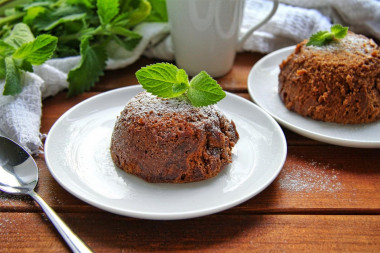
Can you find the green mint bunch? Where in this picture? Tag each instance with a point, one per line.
(89, 28)
(322, 38)
(167, 81)
(19, 52)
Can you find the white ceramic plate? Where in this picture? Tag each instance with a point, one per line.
(263, 88)
(77, 154)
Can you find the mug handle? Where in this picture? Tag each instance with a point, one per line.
(252, 29)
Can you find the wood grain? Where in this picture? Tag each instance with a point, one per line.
(319, 179)
(216, 233)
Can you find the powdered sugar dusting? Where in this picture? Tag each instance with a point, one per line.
(147, 104)
(310, 177)
(353, 43)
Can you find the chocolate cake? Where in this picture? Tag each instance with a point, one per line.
(171, 141)
(338, 82)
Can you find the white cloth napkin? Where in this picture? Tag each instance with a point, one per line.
(294, 21)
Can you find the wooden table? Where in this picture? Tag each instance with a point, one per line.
(326, 198)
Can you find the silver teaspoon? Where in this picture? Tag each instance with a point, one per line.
(19, 175)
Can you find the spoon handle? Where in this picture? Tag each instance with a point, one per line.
(72, 240)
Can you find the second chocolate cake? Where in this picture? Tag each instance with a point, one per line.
(339, 82)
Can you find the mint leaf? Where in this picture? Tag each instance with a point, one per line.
(50, 19)
(87, 3)
(124, 32)
(182, 77)
(128, 43)
(37, 51)
(18, 52)
(141, 13)
(83, 77)
(128, 5)
(167, 81)
(179, 89)
(25, 65)
(107, 10)
(2, 68)
(322, 38)
(204, 90)
(66, 19)
(339, 31)
(6, 49)
(122, 20)
(162, 80)
(158, 12)
(32, 13)
(131, 40)
(20, 34)
(183, 83)
(12, 78)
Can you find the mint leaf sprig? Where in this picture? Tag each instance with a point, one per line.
(167, 81)
(322, 38)
(19, 52)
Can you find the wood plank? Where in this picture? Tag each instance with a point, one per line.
(314, 179)
(327, 179)
(32, 232)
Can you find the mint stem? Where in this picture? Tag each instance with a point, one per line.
(11, 18)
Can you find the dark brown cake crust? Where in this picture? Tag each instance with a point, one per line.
(170, 141)
(337, 83)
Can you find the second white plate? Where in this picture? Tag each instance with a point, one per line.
(263, 88)
(77, 154)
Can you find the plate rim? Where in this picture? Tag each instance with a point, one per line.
(345, 142)
(175, 215)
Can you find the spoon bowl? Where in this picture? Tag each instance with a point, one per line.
(19, 175)
(18, 170)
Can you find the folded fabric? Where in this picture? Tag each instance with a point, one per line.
(294, 21)
(20, 116)
(362, 16)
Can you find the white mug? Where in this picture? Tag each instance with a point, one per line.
(205, 33)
